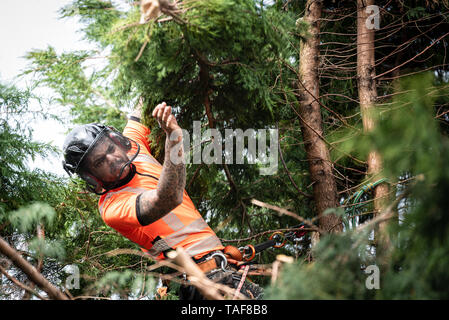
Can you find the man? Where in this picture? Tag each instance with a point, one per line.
(144, 200)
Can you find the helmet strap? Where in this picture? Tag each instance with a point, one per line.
(121, 182)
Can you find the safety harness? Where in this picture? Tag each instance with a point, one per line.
(239, 257)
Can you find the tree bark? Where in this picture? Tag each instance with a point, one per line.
(320, 165)
(30, 271)
(367, 89)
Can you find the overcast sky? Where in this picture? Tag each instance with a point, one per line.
(33, 24)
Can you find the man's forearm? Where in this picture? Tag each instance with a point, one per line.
(173, 176)
(154, 204)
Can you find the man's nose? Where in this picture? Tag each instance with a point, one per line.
(110, 158)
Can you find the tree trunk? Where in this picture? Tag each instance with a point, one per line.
(367, 89)
(320, 166)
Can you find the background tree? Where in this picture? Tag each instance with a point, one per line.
(238, 64)
(415, 261)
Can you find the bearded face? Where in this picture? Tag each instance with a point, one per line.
(107, 161)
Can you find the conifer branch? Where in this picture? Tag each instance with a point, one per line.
(288, 173)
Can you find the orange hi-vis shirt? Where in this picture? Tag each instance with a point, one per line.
(182, 227)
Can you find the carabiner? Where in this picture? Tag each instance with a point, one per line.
(248, 256)
(224, 260)
(281, 234)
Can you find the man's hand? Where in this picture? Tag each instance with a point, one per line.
(165, 118)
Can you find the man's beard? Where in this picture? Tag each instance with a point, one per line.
(120, 182)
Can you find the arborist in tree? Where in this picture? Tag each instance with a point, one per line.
(146, 201)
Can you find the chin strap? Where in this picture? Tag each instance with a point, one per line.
(122, 182)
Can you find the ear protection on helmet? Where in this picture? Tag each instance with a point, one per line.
(93, 184)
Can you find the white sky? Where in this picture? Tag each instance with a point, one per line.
(33, 24)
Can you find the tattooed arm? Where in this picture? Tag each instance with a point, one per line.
(154, 204)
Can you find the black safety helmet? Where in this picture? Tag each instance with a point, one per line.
(81, 141)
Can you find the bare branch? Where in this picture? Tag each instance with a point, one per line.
(287, 213)
(207, 287)
(21, 285)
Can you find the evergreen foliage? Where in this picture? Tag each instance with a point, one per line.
(220, 53)
(74, 232)
(411, 142)
(234, 64)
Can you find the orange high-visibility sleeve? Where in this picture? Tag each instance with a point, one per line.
(139, 133)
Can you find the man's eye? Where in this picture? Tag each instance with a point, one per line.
(98, 163)
(111, 148)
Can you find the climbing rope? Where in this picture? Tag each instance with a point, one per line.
(241, 257)
(354, 201)
(242, 280)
